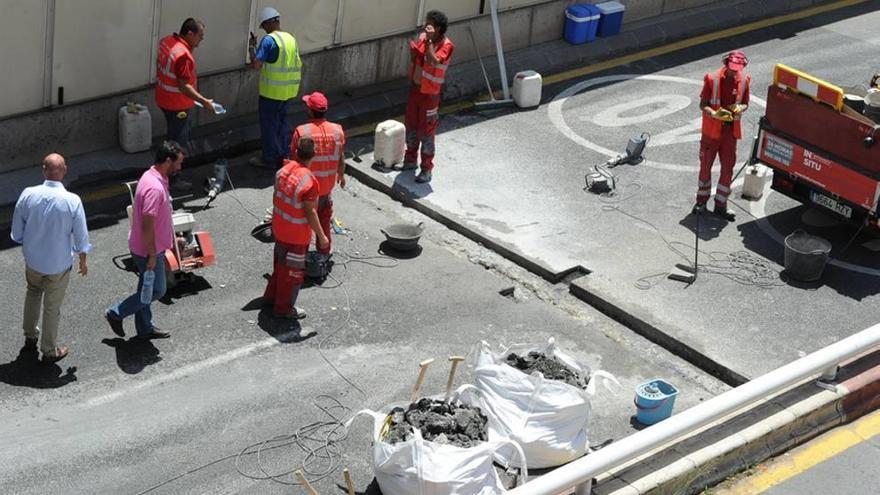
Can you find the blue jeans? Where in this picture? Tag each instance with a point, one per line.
(179, 129)
(275, 130)
(132, 305)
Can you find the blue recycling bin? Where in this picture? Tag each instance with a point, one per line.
(581, 23)
(611, 18)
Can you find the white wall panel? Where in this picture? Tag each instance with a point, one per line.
(101, 47)
(365, 19)
(226, 29)
(22, 55)
(312, 22)
(455, 9)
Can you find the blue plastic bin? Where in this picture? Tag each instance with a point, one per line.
(611, 18)
(581, 23)
(654, 401)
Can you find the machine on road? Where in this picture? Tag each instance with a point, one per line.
(821, 150)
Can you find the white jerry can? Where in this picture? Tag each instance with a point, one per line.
(389, 143)
(527, 89)
(135, 128)
(754, 181)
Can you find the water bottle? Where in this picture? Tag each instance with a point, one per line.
(147, 288)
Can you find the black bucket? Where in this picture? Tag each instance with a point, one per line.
(805, 256)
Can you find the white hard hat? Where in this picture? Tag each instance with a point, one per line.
(268, 13)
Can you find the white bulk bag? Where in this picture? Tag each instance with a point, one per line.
(421, 467)
(547, 418)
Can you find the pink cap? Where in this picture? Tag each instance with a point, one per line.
(316, 101)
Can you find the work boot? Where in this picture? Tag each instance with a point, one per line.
(180, 185)
(424, 176)
(698, 209)
(297, 314)
(724, 213)
(407, 165)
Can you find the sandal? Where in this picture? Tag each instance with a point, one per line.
(60, 353)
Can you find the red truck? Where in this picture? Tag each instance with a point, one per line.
(821, 151)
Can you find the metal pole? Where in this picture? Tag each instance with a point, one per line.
(499, 49)
(640, 443)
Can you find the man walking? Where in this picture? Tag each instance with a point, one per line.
(430, 58)
(176, 84)
(328, 164)
(50, 224)
(724, 98)
(293, 221)
(150, 236)
(277, 59)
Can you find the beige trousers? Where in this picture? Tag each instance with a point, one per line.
(44, 292)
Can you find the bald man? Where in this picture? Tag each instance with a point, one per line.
(50, 224)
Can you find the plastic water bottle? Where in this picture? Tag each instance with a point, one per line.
(147, 288)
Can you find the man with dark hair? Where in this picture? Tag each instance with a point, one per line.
(50, 224)
(430, 58)
(151, 234)
(294, 220)
(176, 83)
(277, 59)
(328, 164)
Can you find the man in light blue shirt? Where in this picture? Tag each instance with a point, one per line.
(50, 224)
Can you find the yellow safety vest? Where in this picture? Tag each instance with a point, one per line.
(280, 80)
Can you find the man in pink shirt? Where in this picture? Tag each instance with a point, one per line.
(150, 236)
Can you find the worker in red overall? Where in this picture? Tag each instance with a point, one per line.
(294, 218)
(430, 59)
(328, 164)
(724, 98)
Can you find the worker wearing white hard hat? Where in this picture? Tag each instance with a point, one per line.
(276, 56)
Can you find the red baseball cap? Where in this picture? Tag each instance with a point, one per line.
(736, 60)
(316, 101)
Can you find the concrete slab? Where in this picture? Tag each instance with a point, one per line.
(516, 178)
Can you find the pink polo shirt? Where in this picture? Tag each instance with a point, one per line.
(151, 198)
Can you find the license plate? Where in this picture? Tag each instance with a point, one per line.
(822, 200)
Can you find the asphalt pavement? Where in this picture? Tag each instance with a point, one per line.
(517, 177)
(118, 416)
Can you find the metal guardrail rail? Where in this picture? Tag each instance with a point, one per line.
(579, 473)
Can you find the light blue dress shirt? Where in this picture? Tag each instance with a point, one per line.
(50, 224)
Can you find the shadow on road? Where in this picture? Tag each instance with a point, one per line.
(27, 371)
(284, 330)
(133, 355)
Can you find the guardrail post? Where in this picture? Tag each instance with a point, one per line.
(829, 374)
(584, 488)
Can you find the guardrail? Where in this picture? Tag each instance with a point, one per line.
(579, 473)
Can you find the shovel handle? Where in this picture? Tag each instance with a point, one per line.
(348, 483)
(305, 483)
(423, 368)
(454, 360)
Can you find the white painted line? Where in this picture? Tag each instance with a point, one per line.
(187, 370)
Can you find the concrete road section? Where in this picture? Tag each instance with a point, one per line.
(517, 178)
(118, 416)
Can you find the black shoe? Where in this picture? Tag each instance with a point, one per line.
(423, 177)
(180, 185)
(725, 214)
(155, 334)
(30, 344)
(698, 209)
(115, 324)
(298, 314)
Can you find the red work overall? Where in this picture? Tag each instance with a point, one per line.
(329, 141)
(719, 138)
(294, 185)
(423, 104)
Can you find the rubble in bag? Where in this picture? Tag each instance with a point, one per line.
(440, 422)
(549, 367)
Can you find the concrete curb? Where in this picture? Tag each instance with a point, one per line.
(747, 438)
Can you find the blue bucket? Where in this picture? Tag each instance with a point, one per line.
(654, 400)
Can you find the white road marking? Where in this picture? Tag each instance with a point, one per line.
(189, 369)
(554, 113)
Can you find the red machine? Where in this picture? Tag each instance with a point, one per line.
(192, 249)
(821, 151)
